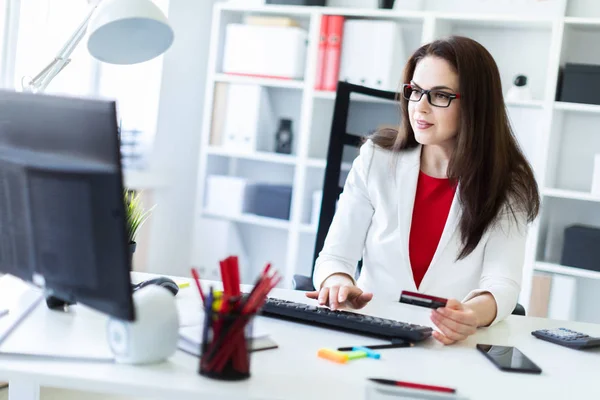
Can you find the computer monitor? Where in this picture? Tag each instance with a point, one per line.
(62, 217)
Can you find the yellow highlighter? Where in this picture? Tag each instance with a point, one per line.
(333, 355)
(183, 285)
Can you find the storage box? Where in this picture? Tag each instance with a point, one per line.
(225, 195)
(268, 51)
(581, 247)
(268, 200)
(580, 83)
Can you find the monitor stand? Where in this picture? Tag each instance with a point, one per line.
(57, 304)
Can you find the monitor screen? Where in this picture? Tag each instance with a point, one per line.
(62, 217)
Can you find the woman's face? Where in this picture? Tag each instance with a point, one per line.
(435, 125)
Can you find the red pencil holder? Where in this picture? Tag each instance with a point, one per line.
(225, 346)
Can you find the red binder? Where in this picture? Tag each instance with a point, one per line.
(321, 54)
(333, 50)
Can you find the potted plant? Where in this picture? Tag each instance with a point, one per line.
(135, 216)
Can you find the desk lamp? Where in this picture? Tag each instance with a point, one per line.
(120, 32)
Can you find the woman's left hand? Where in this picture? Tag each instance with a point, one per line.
(455, 321)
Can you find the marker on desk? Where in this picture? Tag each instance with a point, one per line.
(183, 285)
(412, 385)
(332, 355)
(368, 352)
(378, 346)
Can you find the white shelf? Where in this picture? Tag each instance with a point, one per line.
(257, 156)
(319, 163)
(526, 104)
(374, 13)
(577, 107)
(308, 228)
(254, 80)
(269, 9)
(582, 21)
(251, 220)
(497, 21)
(142, 180)
(326, 95)
(569, 271)
(570, 194)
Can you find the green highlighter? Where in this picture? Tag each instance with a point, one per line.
(354, 355)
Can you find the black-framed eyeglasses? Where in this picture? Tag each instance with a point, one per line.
(437, 98)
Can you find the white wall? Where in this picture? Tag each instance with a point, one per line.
(178, 136)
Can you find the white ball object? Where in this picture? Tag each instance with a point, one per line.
(154, 334)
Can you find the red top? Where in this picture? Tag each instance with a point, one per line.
(432, 206)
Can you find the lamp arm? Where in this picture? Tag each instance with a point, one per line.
(43, 79)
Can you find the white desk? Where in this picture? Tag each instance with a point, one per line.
(294, 372)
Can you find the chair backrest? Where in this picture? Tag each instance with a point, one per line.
(338, 138)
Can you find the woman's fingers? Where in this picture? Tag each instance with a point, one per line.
(323, 296)
(344, 293)
(455, 323)
(441, 338)
(313, 295)
(450, 333)
(362, 300)
(464, 317)
(339, 296)
(334, 304)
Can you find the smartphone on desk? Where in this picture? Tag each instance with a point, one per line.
(509, 359)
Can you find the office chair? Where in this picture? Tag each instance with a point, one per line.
(338, 138)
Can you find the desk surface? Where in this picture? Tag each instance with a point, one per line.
(294, 372)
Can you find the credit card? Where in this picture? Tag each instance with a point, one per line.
(422, 300)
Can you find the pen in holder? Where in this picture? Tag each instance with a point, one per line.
(225, 352)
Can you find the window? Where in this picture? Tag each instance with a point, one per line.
(3, 26)
(136, 89)
(46, 25)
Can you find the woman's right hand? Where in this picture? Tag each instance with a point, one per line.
(344, 295)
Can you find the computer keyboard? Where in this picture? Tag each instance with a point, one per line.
(345, 321)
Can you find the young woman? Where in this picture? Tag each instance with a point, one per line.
(440, 205)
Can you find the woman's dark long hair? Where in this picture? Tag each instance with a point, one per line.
(491, 169)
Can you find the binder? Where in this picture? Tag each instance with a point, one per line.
(373, 54)
(333, 50)
(218, 114)
(250, 120)
(321, 54)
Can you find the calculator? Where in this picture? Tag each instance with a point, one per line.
(568, 338)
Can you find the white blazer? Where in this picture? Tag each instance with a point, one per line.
(372, 222)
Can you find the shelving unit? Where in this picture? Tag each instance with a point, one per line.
(558, 138)
(251, 220)
(570, 194)
(567, 271)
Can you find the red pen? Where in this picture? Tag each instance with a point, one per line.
(197, 279)
(412, 385)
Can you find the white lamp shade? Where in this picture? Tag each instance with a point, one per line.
(128, 32)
